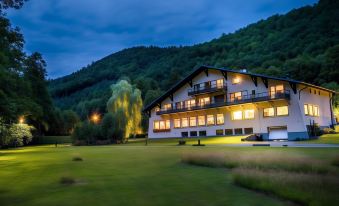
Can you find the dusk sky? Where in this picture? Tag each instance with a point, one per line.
(72, 33)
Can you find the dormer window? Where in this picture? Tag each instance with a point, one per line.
(235, 80)
(168, 106)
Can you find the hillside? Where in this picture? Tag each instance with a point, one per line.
(302, 44)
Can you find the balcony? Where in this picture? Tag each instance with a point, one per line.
(205, 88)
(260, 97)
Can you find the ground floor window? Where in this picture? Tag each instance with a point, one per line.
(237, 115)
(161, 125)
(269, 112)
(176, 123)
(228, 132)
(193, 121)
(202, 133)
(184, 134)
(184, 122)
(282, 111)
(238, 131)
(249, 114)
(193, 133)
(201, 120)
(248, 130)
(219, 132)
(311, 110)
(220, 119)
(210, 119)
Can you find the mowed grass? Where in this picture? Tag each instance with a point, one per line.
(324, 139)
(297, 176)
(189, 141)
(126, 175)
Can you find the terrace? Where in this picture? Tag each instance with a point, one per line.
(208, 87)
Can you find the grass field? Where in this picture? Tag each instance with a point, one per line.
(325, 139)
(126, 175)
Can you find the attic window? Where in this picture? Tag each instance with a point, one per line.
(236, 80)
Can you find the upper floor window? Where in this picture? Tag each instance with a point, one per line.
(193, 121)
(167, 106)
(201, 120)
(277, 89)
(190, 103)
(210, 119)
(220, 83)
(237, 115)
(157, 109)
(235, 80)
(204, 101)
(282, 111)
(220, 119)
(179, 105)
(235, 96)
(311, 110)
(176, 123)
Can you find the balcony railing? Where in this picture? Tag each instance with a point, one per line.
(260, 97)
(203, 89)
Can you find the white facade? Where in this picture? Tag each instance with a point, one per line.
(294, 122)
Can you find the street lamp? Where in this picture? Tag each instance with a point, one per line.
(95, 118)
(21, 120)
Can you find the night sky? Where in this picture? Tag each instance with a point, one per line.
(71, 34)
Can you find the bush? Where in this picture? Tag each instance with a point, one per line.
(15, 134)
(88, 132)
(328, 131)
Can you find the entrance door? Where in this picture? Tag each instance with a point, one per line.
(278, 133)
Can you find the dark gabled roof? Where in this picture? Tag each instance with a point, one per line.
(189, 77)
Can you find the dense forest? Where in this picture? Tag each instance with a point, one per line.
(302, 44)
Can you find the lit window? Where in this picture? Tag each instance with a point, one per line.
(193, 121)
(220, 118)
(310, 110)
(236, 80)
(184, 122)
(282, 111)
(306, 109)
(210, 119)
(162, 125)
(168, 124)
(249, 114)
(156, 125)
(269, 112)
(176, 123)
(235, 96)
(168, 106)
(204, 101)
(220, 83)
(316, 110)
(201, 121)
(190, 103)
(276, 90)
(237, 115)
(157, 109)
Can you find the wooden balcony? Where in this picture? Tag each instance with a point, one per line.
(260, 97)
(204, 89)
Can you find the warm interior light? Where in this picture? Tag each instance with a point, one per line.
(236, 80)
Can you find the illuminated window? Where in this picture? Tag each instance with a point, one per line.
(276, 90)
(249, 114)
(306, 109)
(201, 121)
(162, 125)
(237, 115)
(282, 111)
(269, 112)
(220, 118)
(236, 80)
(176, 123)
(168, 106)
(156, 125)
(204, 101)
(184, 122)
(157, 109)
(190, 103)
(220, 83)
(311, 110)
(210, 119)
(316, 110)
(193, 121)
(235, 96)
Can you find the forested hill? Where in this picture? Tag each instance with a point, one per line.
(302, 44)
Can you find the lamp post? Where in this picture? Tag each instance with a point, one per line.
(95, 118)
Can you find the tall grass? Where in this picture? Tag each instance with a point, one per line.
(307, 189)
(263, 160)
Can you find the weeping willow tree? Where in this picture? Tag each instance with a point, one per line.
(125, 105)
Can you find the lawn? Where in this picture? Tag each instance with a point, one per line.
(126, 175)
(324, 139)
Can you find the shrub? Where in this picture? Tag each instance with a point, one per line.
(328, 131)
(77, 159)
(88, 132)
(67, 180)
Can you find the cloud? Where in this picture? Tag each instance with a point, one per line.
(72, 34)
